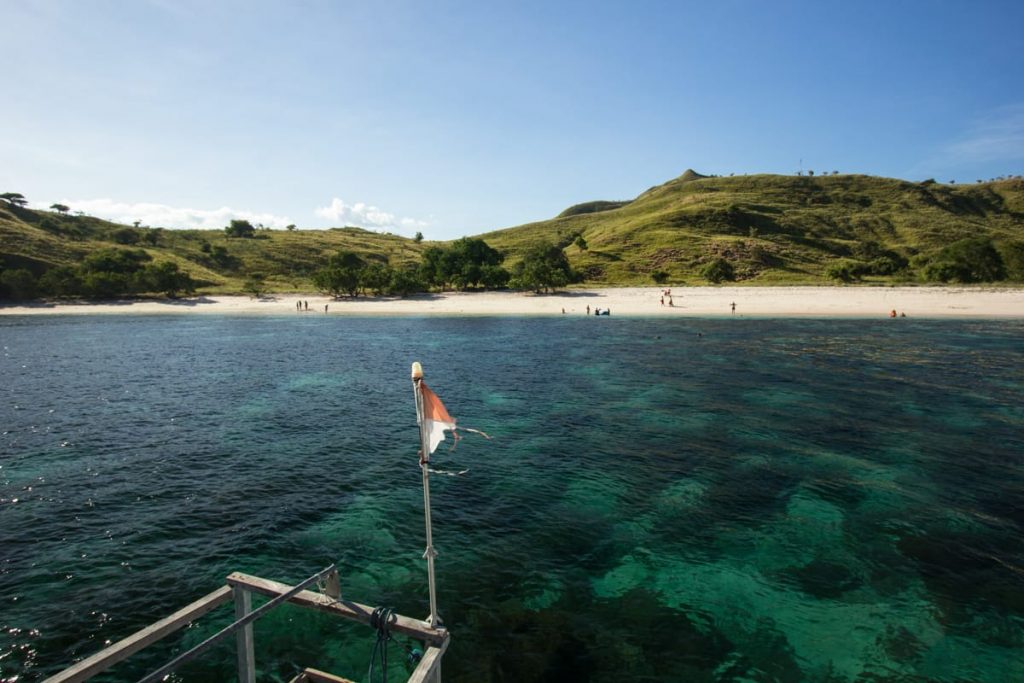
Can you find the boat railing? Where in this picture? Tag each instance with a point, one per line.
(240, 588)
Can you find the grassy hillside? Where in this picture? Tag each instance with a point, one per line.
(39, 240)
(773, 229)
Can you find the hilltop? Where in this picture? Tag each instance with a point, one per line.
(766, 229)
(773, 229)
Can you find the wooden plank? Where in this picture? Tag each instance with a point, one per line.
(122, 649)
(429, 665)
(317, 676)
(243, 638)
(347, 609)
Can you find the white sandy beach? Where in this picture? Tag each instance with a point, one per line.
(851, 302)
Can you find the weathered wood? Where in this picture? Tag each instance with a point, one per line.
(122, 649)
(347, 609)
(160, 674)
(317, 676)
(429, 666)
(243, 637)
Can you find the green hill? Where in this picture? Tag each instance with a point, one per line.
(773, 229)
(768, 229)
(41, 240)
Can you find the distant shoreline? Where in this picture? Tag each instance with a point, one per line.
(759, 302)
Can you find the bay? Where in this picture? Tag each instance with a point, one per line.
(662, 500)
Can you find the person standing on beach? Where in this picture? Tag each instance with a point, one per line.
(733, 304)
(325, 307)
(588, 309)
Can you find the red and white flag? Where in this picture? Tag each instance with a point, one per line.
(438, 421)
(436, 418)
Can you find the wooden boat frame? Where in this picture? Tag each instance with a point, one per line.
(240, 588)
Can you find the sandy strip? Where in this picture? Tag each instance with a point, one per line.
(852, 302)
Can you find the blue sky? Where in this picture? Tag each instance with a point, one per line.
(455, 118)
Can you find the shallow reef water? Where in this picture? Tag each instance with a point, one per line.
(661, 500)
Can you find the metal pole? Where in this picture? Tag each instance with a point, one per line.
(430, 553)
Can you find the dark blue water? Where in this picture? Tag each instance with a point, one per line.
(766, 501)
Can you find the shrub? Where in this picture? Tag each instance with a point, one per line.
(970, 260)
(17, 284)
(1013, 260)
(717, 271)
(844, 270)
(660, 277)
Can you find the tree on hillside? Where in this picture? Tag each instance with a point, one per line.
(342, 276)
(465, 263)
(418, 237)
(718, 270)
(581, 243)
(544, 267)
(14, 199)
(290, 227)
(1013, 259)
(970, 260)
(240, 228)
(255, 285)
(164, 277)
(17, 284)
(60, 208)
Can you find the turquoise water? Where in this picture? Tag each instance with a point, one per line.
(699, 500)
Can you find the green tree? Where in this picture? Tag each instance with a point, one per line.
(341, 276)
(581, 243)
(255, 285)
(376, 277)
(123, 261)
(15, 199)
(18, 284)
(240, 228)
(290, 227)
(61, 281)
(418, 237)
(405, 281)
(1013, 259)
(843, 270)
(971, 260)
(164, 277)
(718, 270)
(544, 267)
(125, 236)
(60, 208)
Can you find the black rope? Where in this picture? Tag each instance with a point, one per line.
(381, 619)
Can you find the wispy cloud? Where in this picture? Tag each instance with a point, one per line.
(370, 217)
(995, 138)
(161, 215)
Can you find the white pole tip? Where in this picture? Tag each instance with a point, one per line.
(417, 370)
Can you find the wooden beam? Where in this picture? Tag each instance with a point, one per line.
(429, 665)
(243, 637)
(317, 676)
(122, 649)
(347, 609)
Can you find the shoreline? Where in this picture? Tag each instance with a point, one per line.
(702, 302)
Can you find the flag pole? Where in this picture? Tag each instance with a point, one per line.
(430, 554)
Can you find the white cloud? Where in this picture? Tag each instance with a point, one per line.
(997, 137)
(986, 146)
(163, 216)
(370, 217)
